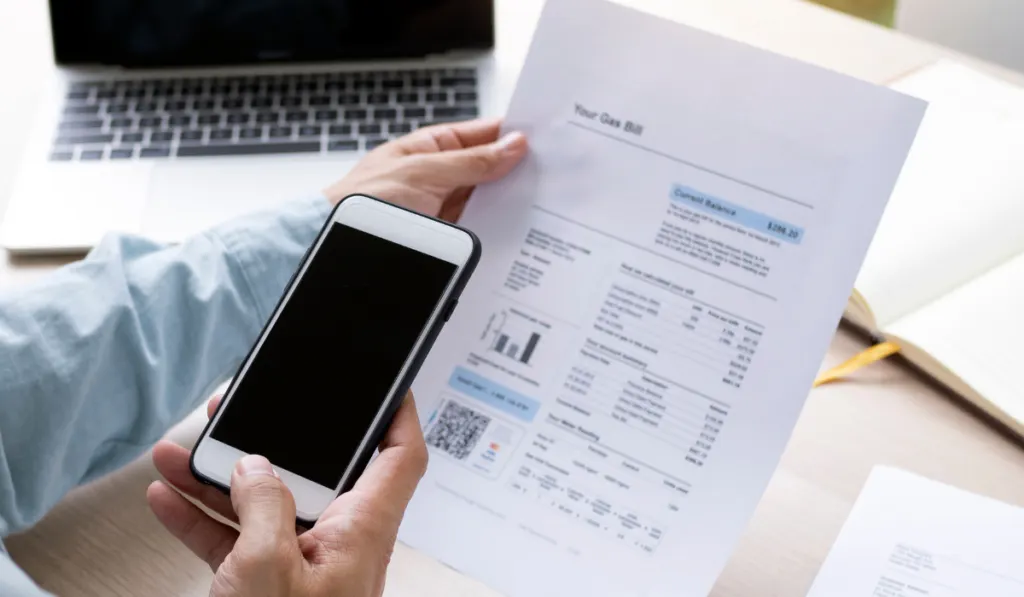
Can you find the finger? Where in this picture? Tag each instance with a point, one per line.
(203, 536)
(265, 507)
(171, 460)
(478, 164)
(450, 136)
(212, 405)
(387, 485)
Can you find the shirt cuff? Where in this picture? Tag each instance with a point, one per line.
(267, 247)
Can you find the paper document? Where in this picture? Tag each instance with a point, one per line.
(911, 537)
(660, 280)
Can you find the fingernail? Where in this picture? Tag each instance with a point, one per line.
(511, 142)
(255, 465)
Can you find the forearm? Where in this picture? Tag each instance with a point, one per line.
(102, 357)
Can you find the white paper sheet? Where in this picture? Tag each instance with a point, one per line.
(660, 280)
(911, 537)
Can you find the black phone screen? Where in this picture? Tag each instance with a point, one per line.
(338, 345)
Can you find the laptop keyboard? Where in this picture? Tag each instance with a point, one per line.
(257, 115)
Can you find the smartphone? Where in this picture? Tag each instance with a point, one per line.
(319, 388)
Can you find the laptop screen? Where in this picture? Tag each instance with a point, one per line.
(212, 32)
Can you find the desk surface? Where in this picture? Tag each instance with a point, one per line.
(102, 540)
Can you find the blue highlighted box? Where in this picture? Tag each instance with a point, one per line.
(493, 394)
(745, 217)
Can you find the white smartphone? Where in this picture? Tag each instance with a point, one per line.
(319, 388)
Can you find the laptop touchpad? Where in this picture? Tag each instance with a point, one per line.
(186, 197)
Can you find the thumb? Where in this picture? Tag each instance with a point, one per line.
(478, 164)
(265, 506)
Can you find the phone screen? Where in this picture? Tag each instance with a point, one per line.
(326, 366)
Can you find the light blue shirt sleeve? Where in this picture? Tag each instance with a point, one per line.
(99, 359)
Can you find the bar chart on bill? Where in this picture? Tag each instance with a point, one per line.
(515, 335)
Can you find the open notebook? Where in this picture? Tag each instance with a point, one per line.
(943, 282)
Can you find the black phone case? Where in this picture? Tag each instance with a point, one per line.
(395, 400)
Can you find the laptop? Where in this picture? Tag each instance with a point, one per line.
(166, 117)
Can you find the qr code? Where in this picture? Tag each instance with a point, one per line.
(457, 430)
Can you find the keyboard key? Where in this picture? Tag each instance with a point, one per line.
(310, 130)
(238, 118)
(454, 112)
(465, 96)
(399, 128)
(374, 143)
(349, 99)
(262, 102)
(336, 85)
(192, 88)
(221, 134)
(340, 129)
(91, 155)
(319, 100)
(232, 103)
(151, 122)
(392, 84)
(415, 113)
(174, 105)
(145, 107)
(77, 125)
(464, 72)
(122, 123)
(267, 117)
(249, 87)
(220, 88)
(278, 132)
(106, 94)
(408, 97)
(296, 116)
(369, 129)
(117, 108)
(209, 119)
(161, 137)
(192, 135)
(155, 152)
(135, 93)
(422, 81)
(250, 133)
(61, 156)
(257, 149)
(377, 99)
(179, 120)
(291, 101)
(385, 114)
(277, 87)
(343, 145)
(358, 114)
(131, 137)
(365, 84)
(78, 94)
(72, 110)
(83, 138)
(458, 81)
(437, 96)
(326, 115)
(202, 104)
(307, 85)
(122, 153)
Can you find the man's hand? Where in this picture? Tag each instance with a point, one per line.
(434, 169)
(344, 555)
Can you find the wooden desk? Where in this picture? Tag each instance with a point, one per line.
(102, 540)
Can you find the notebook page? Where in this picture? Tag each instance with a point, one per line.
(908, 536)
(976, 331)
(957, 208)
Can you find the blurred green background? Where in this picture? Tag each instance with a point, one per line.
(882, 12)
